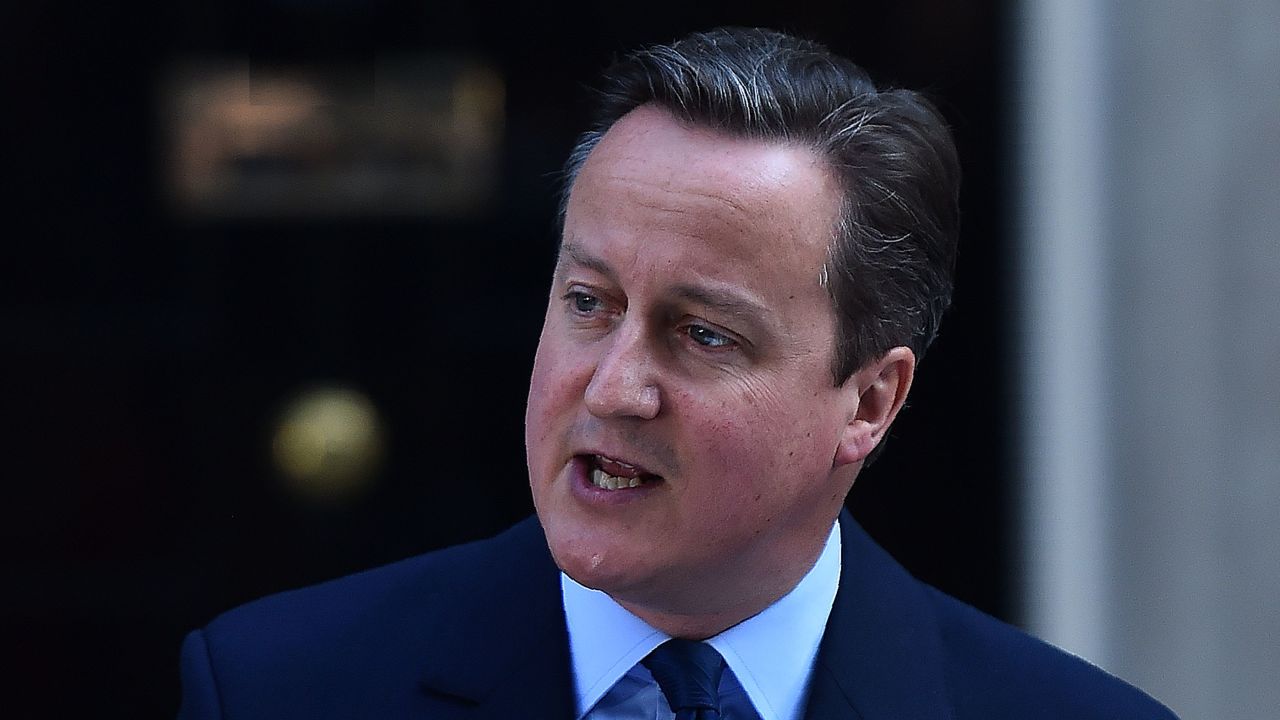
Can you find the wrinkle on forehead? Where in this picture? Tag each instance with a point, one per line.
(745, 210)
(692, 206)
(644, 137)
(762, 170)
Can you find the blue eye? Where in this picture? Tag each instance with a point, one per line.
(707, 337)
(582, 302)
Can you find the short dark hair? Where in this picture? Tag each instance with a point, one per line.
(892, 258)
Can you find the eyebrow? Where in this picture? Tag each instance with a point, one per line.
(581, 257)
(723, 301)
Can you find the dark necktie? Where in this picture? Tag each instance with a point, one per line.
(689, 674)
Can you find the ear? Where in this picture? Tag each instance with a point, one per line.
(877, 392)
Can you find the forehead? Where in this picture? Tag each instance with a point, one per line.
(658, 186)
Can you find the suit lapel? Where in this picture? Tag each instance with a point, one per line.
(880, 657)
(502, 650)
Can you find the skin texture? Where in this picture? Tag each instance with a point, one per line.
(688, 334)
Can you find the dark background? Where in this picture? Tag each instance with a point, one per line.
(147, 356)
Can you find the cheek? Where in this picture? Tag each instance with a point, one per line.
(556, 386)
(543, 398)
(733, 440)
(771, 411)
(766, 440)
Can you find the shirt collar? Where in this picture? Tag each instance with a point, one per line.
(770, 654)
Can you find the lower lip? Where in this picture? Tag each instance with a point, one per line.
(579, 472)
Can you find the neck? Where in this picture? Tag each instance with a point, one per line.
(696, 621)
(690, 626)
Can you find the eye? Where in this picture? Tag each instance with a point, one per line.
(707, 337)
(583, 303)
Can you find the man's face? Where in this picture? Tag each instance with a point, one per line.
(682, 426)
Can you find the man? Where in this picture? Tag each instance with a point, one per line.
(757, 249)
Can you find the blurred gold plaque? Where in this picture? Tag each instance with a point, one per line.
(248, 141)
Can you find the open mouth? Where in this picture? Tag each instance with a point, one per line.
(609, 474)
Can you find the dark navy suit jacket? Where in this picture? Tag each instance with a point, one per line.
(478, 631)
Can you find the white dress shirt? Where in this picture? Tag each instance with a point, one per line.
(770, 656)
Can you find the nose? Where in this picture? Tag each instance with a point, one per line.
(624, 381)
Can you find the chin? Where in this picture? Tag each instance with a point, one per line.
(589, 569)
(591, 564)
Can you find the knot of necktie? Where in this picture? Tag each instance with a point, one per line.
(689, 674)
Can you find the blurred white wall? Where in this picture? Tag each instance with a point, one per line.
(1148, 186)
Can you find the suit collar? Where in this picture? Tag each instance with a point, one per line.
(502, 647)
(880, 657)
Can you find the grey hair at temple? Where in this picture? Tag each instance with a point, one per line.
(891, 260)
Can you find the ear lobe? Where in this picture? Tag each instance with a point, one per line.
(880, 388)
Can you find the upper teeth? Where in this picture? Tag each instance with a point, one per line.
(602, 479)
